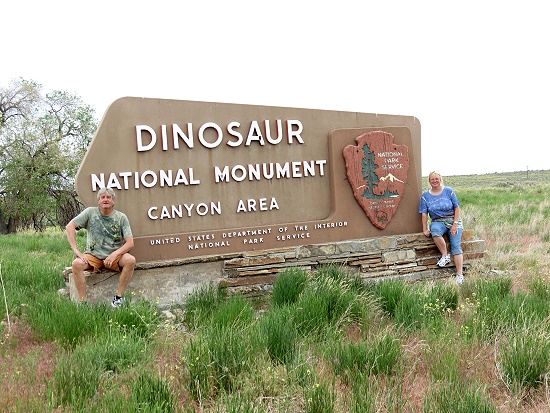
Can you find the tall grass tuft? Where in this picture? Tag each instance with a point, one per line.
(363, 394)
(457, 397)
(141, 318)
(80, 373)
(417, 306)
(376, 356)
(523, 355)
(222, 348)
(390, 294)
(215, 358)
(278, 330)
(320, 398)
(328, 305)
(28, 272)
(288, 286)
(241, 402)
(49, 314)
(236, 312)
(151, 393)
(200, 304)
(342, 275)
(56, 318)
(498, 309)
(77, 378)
(540, 287)
(197, 365)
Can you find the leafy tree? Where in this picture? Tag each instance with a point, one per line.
(43, 138)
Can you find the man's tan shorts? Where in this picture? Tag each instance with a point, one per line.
(98, 263)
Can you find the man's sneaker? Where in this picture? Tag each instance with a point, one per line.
(444, 260)
(459, 278)
(117, 302)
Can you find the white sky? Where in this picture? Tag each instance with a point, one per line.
(475, 73)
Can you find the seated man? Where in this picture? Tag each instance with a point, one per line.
(109, 240)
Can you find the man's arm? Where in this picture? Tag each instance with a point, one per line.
(126, 247)
(71, 228)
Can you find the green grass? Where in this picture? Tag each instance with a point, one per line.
(323, 341)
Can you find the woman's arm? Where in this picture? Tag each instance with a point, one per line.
(425, 228)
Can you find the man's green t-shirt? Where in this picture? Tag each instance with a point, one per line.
(105, 233)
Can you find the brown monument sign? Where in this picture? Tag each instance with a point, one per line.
(202, 178)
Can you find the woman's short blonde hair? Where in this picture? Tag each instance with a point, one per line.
(436, 173)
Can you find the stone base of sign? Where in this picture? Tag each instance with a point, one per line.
(408, 257)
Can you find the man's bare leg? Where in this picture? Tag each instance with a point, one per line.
(78, 268)
(127, 264)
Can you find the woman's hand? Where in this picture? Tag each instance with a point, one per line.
(454, 229)
(427, 232)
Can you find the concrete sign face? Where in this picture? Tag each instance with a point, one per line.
(202, 178)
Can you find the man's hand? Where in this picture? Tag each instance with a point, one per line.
(109, 260)
(81, 256)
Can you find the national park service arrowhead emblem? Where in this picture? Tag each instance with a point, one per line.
(377, 172)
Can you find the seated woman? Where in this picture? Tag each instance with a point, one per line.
(441, 204)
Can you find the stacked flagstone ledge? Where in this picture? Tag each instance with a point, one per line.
(408, 257)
